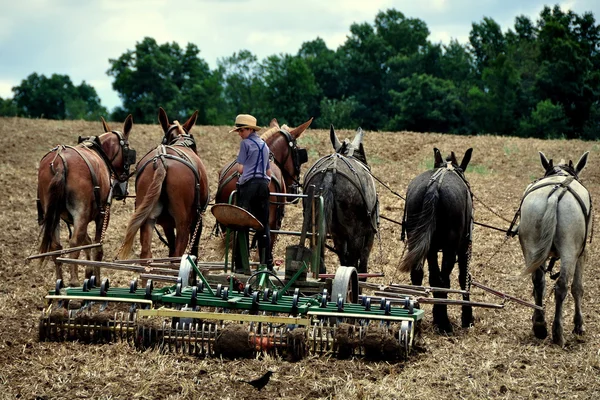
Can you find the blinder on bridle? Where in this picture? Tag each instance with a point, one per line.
(299, 157)
(186, 139)
(129, 158)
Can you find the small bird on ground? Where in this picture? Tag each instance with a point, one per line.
(261, 382)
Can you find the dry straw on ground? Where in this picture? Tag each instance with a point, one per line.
(498, 358)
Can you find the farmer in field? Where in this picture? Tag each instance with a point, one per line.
(253, 184)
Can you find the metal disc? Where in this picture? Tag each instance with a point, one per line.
(345, 283)
(235, 217)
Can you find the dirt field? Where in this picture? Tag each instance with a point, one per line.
(498, 358)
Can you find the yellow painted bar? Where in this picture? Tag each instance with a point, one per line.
(98, 298)
(168, 312)
(360, 316)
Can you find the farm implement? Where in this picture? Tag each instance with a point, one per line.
(236, 311)
(206, 320)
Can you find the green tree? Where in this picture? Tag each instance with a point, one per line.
(547, 121)
(243, 88)
(426, 104)
(487, 42)
(338, 113)
(568, 74)
(166, 75)
(56, 98)
(8, 108)
(291, 91)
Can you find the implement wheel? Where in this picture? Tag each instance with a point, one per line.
(345, 283)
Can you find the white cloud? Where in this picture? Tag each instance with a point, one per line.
(6, 88)
(78, 38)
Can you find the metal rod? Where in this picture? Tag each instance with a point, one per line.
(489, 226)
(401, 293)
(434, 300)
(360, 275)
(506, 296)
(156, 277)
(428, 288)
(103, 264)
(64, 251)
(98, 298)
(147, 260)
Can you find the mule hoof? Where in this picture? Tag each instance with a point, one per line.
(558, 340)
(540, 331)
(579, 330)
(445, 329)
(468, 322)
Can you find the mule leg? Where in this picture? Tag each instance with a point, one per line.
(560, 293)
(365, 252)
(97, 252)
(55, 245)
(146, 238)
(78, 238)
(464, 278)
(171, 236)
(539, 290)
(416, 275)
(577, 292)
(439, 278)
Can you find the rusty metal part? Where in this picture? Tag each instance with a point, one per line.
(505, 296)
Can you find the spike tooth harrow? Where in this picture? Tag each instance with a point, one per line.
(197, 319)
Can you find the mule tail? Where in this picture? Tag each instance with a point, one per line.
(57, 195)
(547, 231)
(142, 213)
(420, 231)
(328, 198)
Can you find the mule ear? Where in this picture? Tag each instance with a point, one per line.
(105, 125)
(358, 138)
(437, 157)
(127, 125)
(453, 159)
(466, 159)
(334, 139)
(189, 124)
(547, 164)
(163, 119)
(361, 151)
(274, 123)
(582, 161)
(298, 130)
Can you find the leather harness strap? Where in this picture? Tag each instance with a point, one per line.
(182, 158)
(329, 163)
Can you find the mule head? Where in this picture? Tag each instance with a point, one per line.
(176, 132)
(288, 156)
(562, 167)
(115, 145)
(451, 160)
(347, 148)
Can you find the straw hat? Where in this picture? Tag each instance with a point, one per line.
(245, 121)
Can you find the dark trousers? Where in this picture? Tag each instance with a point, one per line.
(253, 195)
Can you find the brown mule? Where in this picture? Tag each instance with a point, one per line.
(285, 170)
(74, 184)
(171, 189)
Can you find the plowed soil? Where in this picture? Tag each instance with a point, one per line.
(497, 358)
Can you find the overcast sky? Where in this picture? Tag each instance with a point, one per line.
(78, 37)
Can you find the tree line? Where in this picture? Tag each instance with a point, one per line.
(538, 79)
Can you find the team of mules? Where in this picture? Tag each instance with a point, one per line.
(77, 184)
